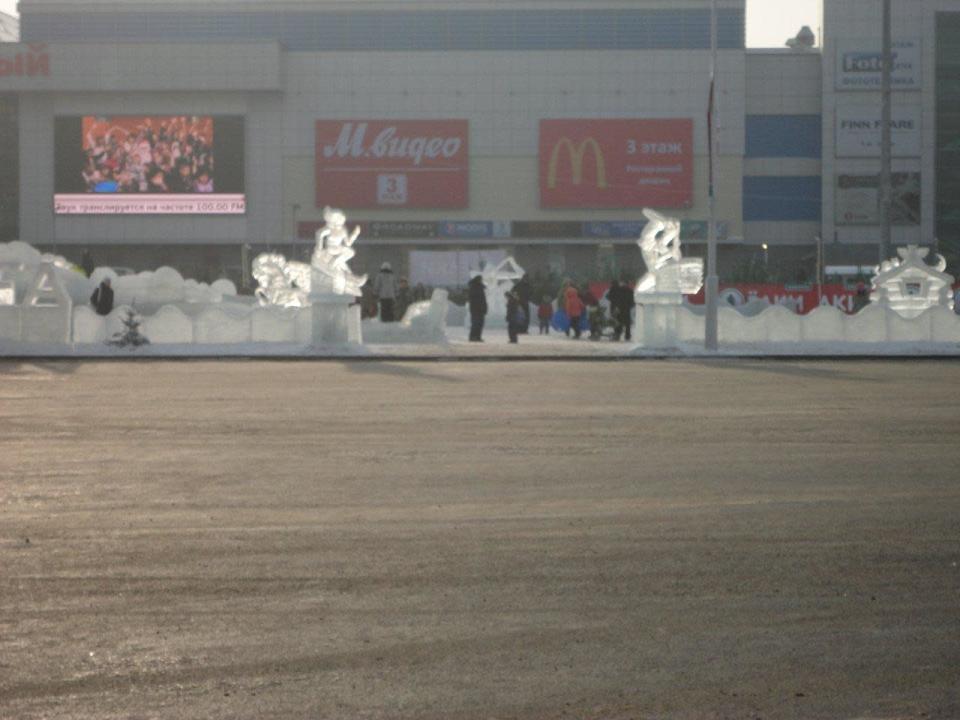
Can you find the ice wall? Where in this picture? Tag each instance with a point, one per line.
(668, 326)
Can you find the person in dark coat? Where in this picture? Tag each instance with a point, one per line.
(403, 298)
(87, 263)
(622, 303)
(524, 295)
(515, 316)
(385, 288)
(477, 299)
(102, 298)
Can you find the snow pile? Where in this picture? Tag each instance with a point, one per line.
(169, 325)
(163, 286)
(423, 322)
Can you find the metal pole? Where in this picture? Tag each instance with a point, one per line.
(713, 282)
(819, 270)
(296, 235)
(886, 140)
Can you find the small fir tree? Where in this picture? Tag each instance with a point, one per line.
(130, 336)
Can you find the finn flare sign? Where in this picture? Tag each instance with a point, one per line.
(392, 163)
(616, 163)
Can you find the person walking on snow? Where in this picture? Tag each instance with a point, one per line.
(385, 288)
(477, 300)
(622, 303)
(524, 294)
(574, 308)
(545, 314)
(515, 315)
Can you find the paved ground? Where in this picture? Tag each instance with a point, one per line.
(480, 540)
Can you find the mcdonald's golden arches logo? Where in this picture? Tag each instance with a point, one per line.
(576, 154)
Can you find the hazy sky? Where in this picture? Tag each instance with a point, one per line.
(769, 22)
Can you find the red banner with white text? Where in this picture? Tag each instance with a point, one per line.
(392, 163)
(616, 163)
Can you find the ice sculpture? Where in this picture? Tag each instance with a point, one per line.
(908, 285)
(289, 283)
(667, 271)
(282, 283)
(330, 257)
(423, 322)
(497, 280)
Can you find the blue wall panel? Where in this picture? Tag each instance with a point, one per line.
(782, 199)
(784, 136)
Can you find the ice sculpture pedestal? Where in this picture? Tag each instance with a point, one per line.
(657, 318)
(670, 276)
(335, 320)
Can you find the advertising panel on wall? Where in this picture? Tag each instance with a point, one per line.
(392, 163)
(859, 63)
(149, 165)
(857, 199)
(858, 131)
(627, 163)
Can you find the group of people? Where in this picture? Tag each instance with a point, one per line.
(578, 305)
(175, 156)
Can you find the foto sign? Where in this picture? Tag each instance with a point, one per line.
(626, 163)
(392, 163)
(858, 131)
(859, 65)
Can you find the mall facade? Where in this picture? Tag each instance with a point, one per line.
(461, 130)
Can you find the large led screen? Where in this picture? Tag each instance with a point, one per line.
(149, 165)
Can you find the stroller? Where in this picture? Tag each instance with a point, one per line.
(600, 324)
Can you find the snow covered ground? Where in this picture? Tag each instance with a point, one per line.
(495, 345)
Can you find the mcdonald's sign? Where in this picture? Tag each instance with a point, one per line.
(616, 163)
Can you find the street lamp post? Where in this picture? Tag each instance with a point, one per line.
(713, 282)
(886, 134)
(296, 235)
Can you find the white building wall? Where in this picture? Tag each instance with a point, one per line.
(504, 95)
(850, 20)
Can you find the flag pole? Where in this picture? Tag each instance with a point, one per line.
(713, 282)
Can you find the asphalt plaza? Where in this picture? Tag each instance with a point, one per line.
(679, 539)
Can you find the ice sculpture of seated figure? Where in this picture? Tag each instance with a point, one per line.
(330, 257)
(667, 270)
(289, 283)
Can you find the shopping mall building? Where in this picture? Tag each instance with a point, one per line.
(454, 130)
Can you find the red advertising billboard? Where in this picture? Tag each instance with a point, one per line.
(616, 163)
(392, 163)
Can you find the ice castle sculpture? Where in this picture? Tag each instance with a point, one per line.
(908, 285)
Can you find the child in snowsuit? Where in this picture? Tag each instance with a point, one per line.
(545, 314)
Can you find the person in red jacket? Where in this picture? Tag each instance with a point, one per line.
(574, 308)
(545, 314)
